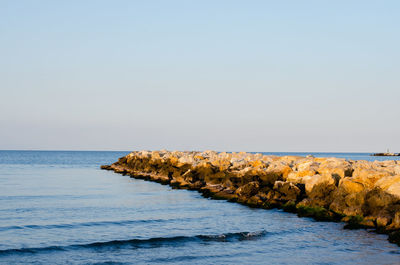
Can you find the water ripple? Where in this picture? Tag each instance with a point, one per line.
(144, 243)
(99, 223)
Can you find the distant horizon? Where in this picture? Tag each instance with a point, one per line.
(77, 150)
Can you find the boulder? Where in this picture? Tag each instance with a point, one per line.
(390, 184)
(311, 181)
(289, 191)
(275, 171)
(369, 176)
(349, 185)
(248, 189)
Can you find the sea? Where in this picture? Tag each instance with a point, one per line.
(58, 207)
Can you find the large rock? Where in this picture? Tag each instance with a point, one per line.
(310, 181)
(288, 190)
(349, 198)
(248, 189)
(275, 171)
(368, 176)
(390, 184)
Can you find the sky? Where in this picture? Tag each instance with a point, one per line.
(261, 76)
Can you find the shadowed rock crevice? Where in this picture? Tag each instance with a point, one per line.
(363, 194)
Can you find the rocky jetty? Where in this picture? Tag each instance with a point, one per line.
(361, 193)
(386, 154)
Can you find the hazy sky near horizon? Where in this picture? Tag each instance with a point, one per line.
(223, 75)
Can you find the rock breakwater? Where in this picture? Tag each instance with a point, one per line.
(363, 194)
(386, 154)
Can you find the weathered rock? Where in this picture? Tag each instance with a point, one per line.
(289, 191)
(369, 175)
(348, 198)
(390, 184)
(248, 189)
(275, 171)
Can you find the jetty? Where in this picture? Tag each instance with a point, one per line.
(386, 154)
(363, 194)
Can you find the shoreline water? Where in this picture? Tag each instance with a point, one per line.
(363, 194)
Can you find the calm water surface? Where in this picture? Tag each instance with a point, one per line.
(60, 208)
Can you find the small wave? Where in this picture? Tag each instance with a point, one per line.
(85, 224)
(144, 243)
(233, 236)
(52, 197)
(108, 263)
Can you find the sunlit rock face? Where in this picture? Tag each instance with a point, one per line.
(325, 188)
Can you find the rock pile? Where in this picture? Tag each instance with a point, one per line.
(361, 193)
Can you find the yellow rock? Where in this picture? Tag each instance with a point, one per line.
(311, 181)
(369, 177)
(350, 186)
(257, 163)
(394, 189)
(199, 157)
(173, 160)
(222, 164)
(385, 182)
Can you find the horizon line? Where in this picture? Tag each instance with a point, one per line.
(98, 150)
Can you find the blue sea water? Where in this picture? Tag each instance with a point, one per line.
(58, 207)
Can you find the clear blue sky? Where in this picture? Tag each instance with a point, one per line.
(225, 75)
